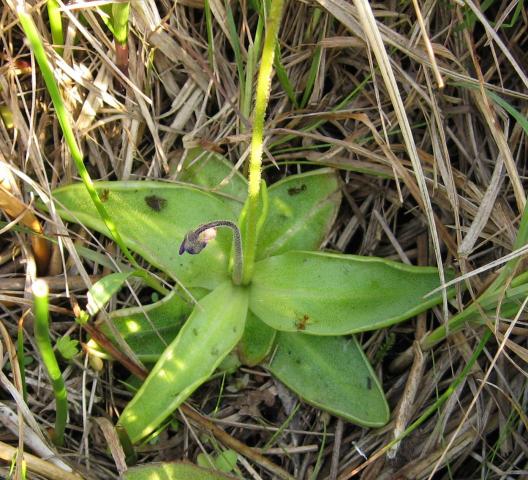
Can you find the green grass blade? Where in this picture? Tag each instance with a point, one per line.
(35, 42)
(55, 20)
(284, 80)
(210, 37)
(253, 52)
(235, 43)
(312, 75)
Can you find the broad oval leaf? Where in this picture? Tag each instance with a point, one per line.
(257, 341)
(302, 209)
(211, 332)
(209, 169)
(103, 290)
(331, 294)
(173, 471)
(153, 218)
(331, 373)
(149, 329)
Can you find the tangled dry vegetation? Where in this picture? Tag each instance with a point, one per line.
(457, 197)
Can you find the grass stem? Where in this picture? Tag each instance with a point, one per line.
(35, 41)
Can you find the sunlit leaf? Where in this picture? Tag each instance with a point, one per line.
(302, 209)
(211, 332)
(173, 471)
(332, 294)
(331, 373)
(103, 290)
(149, 329)
(153, 217)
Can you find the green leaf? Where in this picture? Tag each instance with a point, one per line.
(211, 332)
(149, 329)
(152, 218)
(67, 347)
(173, 471)
(208, 169)
(226, 461)
(256, 342)
(302, 211)
(331, 294)
(103, 290)
(331, 373)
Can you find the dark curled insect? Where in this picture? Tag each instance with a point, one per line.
(296, 190)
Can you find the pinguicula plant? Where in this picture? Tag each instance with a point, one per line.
(249, 278)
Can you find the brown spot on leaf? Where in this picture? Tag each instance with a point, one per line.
(104, 194)
(296, 190)
(300, 324)
(156, 203)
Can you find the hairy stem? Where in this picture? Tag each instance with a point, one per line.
(255, 161)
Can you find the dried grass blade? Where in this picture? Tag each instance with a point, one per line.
(376, 43)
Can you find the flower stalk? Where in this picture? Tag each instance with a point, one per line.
(196, 240)
(255, 162)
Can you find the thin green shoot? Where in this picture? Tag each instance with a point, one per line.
(220, 395)
(312, 76)
(253, 52)
(284, 79)
(42, 338)
(283, 427)
(518, 116)
(55, 20)
(235, 44)
(474, 313)
(35, 42)
(320, 456)
(120, 14)
(516, 14)
(210, 37)
(7, 117)
(470, 18)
